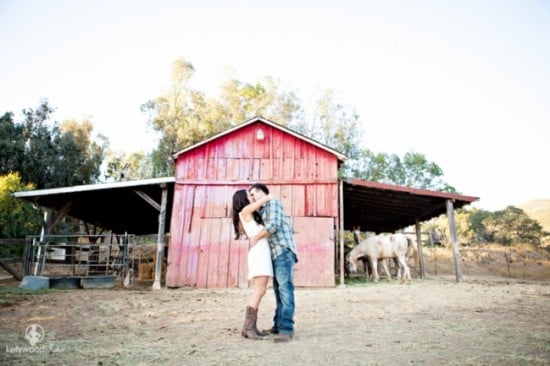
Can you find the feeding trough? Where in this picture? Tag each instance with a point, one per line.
(98, 281)
(65, 282)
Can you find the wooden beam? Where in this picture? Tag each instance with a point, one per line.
(148, 199)
(160, 237)
(454, 240)
(419, 245)
(341, 231)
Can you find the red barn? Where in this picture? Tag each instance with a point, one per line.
(302, 173)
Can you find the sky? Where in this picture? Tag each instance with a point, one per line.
(466, 83)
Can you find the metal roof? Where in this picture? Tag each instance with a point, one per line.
(380, 207)
(120, 206)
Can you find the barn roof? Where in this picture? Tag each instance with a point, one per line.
(120, 206)
(383, 207)
(339, 155)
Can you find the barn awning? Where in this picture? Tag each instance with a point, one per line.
(124, 207)
(380, 207)
(131, 206)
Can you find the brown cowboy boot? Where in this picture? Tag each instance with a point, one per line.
(249, 327)
(261, 333)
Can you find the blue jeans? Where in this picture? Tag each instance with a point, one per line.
(283, 271)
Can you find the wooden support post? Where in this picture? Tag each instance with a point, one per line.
(41, 252)
(341, 231)
(420, 255)
(160, 238)
(454, 240)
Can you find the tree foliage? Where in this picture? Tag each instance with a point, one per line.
(17, 217)
(47, 154)
(184, 116)
(123, 166)
(333, 124)
(413, 170)
(511, 226)
(505, 227)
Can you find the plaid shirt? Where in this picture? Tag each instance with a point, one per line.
(281, 236)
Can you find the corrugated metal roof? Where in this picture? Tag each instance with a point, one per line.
(339, 155)
(111, 206)
(93, 187)
(383, 207)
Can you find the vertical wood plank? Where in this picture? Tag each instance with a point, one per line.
(299, 200)
(194, 236)
(181, 168)
(310, 200)
(221, 168)
(266, 170)
(175, 243)
(286, 198)
(212, 166)
(288, 168)
(233, 169)
(204, 253)
(316, 240)
(186, 218)
(245, 165)
(255, 170)
(320, 199)
(224, 244)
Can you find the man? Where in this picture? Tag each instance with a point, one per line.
(279, 234)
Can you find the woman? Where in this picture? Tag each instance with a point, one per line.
(247, 221)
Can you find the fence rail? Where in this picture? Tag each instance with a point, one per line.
(78, 255)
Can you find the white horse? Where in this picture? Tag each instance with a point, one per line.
(382, 247)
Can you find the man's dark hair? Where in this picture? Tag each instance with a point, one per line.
(260, 186)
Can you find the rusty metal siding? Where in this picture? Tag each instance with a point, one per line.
(202, 248)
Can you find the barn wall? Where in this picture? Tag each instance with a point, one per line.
(202, 250)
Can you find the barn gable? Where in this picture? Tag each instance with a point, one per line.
(302, 173)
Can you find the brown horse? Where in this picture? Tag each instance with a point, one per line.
(382, 247)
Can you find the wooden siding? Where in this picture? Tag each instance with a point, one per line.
(202, 250)
(241, 157)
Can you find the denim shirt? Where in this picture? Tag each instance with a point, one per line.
(281, 236)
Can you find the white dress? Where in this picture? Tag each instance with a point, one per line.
(259, 256)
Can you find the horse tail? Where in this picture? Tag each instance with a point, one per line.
(412, 249)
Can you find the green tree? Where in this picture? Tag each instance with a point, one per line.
(464, 232)
(512, 225)
(414, 170)
(184, 116)
(334, 124)
(47, 154)
(12, 146)
(266, 98)
(476, 220)
(122, 166)
(17, 217)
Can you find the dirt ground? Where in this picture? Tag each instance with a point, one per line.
(486, 319)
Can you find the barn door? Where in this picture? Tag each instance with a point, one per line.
(315, 240)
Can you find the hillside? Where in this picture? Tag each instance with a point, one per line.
(538, 210)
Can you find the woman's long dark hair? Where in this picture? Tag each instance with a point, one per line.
(240, 200)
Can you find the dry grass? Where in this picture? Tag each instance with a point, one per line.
(520, 262)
